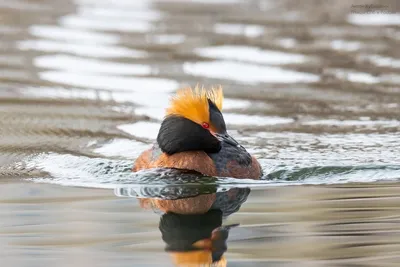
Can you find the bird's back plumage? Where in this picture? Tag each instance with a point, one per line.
(229, 162)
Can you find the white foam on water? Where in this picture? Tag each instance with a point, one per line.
(305, 150)
(210, 2)
(129, 149)
(354, 76)
(250, 54)
(345, 45)
(25, 6)
(60, 93)
(230, 103)
(72, 170)
(142, 99)
(87, 50)
(157, 98)
(167, 39)
(138, 84)
(242, 119)
(142, 129)
(383, 61)
(100, 24)
(246, 73)
(238, 29)
(392, 79)
(152, 112)
(388, 123)
(151, 98)
(122, 4)
(287, 42)
(69, 170)
(73, 35)
(85, 65)
(119, 13)
(8, 29)
(354, 176)
(374, 19)
(362, 77)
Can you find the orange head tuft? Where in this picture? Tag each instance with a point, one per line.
(194, 122)
(193, 103)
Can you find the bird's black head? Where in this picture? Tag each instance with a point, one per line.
(194, 122)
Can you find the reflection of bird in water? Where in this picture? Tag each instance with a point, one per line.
(192, 227)
(193, 136)
(195, 239)
(191, 205)
(228, 202)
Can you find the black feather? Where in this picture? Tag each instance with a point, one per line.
(178, 134)
(216, 117)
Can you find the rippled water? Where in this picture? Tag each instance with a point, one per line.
(311, 89)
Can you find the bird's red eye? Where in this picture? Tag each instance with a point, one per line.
(205, 125)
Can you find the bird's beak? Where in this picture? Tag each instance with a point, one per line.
(225, 137)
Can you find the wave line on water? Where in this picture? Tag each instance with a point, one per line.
(70, 170)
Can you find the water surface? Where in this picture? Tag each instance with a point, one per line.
(311, 90)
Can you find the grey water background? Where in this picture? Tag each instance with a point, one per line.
(311, 89)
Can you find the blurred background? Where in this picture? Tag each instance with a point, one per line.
(312, 89)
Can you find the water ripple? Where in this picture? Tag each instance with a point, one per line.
(99, 173)
(82, 49)
(246, 73)
(81, 65)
